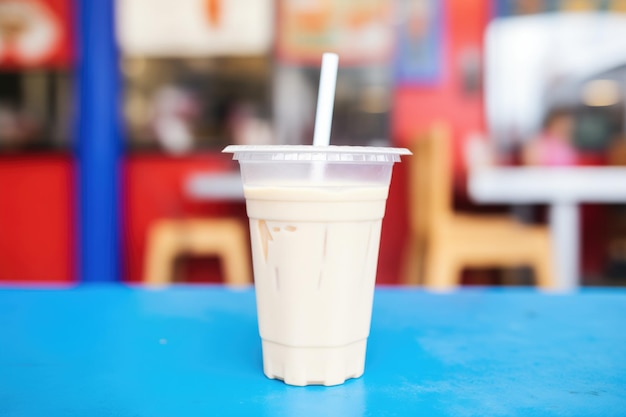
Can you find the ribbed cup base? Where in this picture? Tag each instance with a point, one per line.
(314, 366)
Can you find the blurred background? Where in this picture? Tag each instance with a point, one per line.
(146, 99)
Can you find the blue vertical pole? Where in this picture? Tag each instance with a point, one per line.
(99, 142)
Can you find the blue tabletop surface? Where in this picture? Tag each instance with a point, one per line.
(195, 351)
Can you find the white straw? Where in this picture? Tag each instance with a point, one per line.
(325, 99)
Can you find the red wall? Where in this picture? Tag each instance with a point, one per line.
(36, 218)
(415, 107)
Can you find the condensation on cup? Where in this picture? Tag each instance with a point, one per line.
(315, 220)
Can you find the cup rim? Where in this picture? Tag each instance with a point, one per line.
(317, 149)
(332, 153)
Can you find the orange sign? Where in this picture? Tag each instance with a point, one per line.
(360, 31)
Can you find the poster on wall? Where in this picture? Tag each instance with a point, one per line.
(503, 8)
(191, 28)
(419, 45)
(360, 31)
(35, 33)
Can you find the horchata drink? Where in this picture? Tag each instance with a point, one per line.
(315, 220)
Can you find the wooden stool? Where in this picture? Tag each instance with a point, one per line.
(442, 241)
(224, 238)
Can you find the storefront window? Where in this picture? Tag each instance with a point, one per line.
(179, 105)
(35, 75)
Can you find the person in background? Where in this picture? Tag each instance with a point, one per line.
(18, 128)
(553, 145)
(172, 118)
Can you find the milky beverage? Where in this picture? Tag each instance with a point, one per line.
(315, 219)
(315, 252)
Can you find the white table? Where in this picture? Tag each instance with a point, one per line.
(563, 189)
(215, 186)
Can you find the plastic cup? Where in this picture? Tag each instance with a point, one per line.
(315, 219)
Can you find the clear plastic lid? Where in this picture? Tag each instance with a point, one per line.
(293, 153)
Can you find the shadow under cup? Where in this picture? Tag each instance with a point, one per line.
(315, 220)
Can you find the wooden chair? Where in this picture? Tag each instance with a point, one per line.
(616, 157)
(442, 242)
(224, 238)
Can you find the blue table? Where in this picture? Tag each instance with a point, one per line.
(195, 351)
